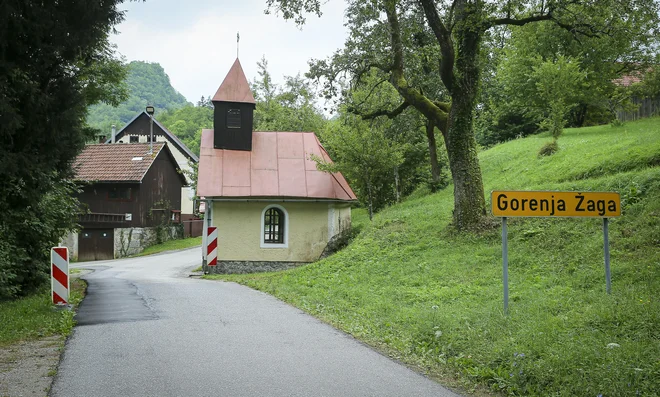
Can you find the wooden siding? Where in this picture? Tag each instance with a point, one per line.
(140, 126)
(162, 183)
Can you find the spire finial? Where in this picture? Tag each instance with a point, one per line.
(238, 38)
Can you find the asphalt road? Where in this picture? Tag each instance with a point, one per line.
(147, 329)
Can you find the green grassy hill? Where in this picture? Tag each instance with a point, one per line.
(415, 288)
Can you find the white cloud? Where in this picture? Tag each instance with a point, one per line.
(198, 49)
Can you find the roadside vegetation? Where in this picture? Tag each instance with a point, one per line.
(171, 245)
(34, 316)
(411, 285)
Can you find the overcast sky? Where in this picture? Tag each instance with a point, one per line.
(195, 40)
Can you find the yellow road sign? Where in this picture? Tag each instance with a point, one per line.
(556, 204)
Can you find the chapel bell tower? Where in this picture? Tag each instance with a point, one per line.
(233, 111)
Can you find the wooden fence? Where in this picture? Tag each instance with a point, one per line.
(192, 227)
(647, 107)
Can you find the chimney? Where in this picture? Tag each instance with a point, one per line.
(113, 134)
(233, 105)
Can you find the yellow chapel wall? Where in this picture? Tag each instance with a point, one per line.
(309, 229)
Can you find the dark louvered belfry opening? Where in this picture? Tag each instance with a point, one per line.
(274, 226)
(233, 125)
(234, 118)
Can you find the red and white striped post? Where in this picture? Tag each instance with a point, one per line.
(212, 247)
(59, 275)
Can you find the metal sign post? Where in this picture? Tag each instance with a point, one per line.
(608, 280)
(554, 205)
(505, 264)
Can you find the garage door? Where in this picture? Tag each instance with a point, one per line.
(96, 244)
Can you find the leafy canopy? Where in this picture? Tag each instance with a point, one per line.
(55, 60)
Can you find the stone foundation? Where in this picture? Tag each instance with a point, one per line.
(131, 241)
(240, 267)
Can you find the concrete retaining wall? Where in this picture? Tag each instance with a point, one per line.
(71, 242)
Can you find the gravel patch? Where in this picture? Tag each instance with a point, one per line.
(27, 368)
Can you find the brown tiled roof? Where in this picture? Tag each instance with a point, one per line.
(234, 87)
(279, 165)
(628, 80)
(121, 162)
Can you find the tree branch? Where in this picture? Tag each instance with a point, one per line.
(410, 95)
(369, 66)
(518, 22)
(370, 92)
(549, 15)
(395, 36)
(443, 37)
(389, 113)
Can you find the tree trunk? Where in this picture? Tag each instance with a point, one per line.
(469, 202)
(581, 115)
(397, 189)
(433, 154)
(462, 81)
(370, 200)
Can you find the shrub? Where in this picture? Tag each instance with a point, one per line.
(549, 149)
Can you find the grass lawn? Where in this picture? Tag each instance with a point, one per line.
(34, 316)
(412, 286)
(171, 245)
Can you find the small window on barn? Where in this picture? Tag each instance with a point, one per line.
(134, 139)
(120, 193)
(275, 225)
(234, 118)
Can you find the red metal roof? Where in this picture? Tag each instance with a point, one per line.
(121, 162)
(234, 87)
(279, 165)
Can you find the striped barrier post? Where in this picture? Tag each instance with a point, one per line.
(212, 247)
(59, 275)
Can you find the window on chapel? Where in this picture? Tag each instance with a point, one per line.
(274, 221)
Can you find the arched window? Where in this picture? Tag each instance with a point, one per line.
(274, 227)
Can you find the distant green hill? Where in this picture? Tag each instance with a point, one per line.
(413, 287)
(147, 84)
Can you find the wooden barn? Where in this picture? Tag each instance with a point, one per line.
(125, 191)
(138, 130)
(272, 207)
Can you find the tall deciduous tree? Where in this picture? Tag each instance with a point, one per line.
(290, 107)
(55, 60)
(458, 29)
(537, 51)
(365, 156)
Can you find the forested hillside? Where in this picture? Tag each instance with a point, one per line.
(147, 83)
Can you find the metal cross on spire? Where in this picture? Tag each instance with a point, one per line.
(238, 38)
